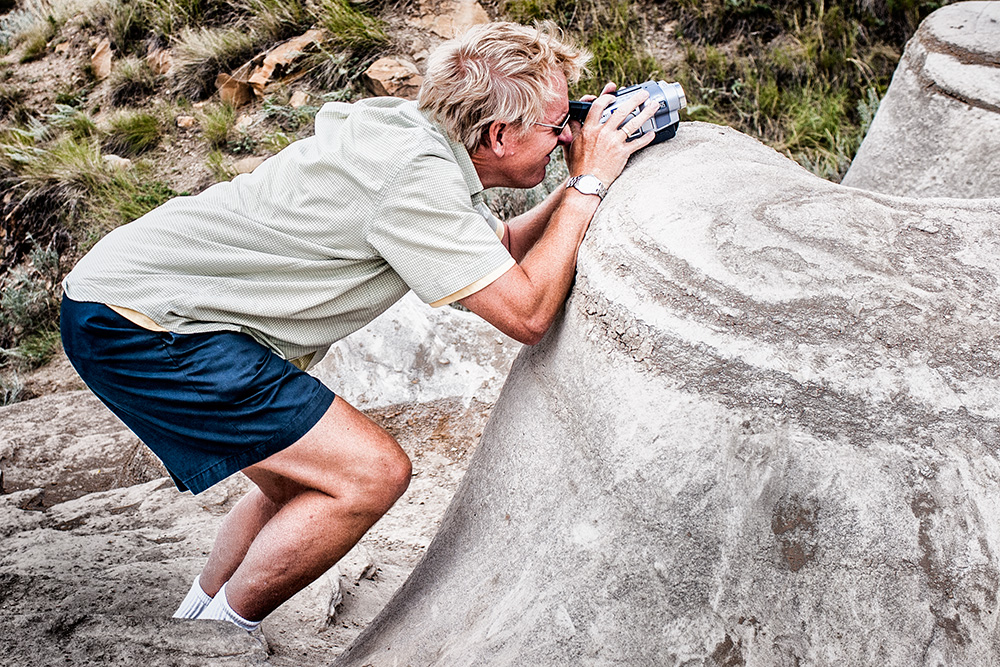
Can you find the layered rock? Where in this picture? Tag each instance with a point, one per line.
(937, 131)
(764, 433)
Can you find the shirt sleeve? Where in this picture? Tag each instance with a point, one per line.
(433, 237)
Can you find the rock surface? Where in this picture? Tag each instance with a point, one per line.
(937, 131)
(765, 433)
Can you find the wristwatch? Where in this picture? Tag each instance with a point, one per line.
(588, 184)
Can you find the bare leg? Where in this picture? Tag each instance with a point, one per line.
(329, 488)
(237, 532)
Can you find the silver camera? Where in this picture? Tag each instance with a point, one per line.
(669, 97)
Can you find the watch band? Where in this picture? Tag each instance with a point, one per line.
(588, 184)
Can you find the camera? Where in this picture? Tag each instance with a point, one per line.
(668, 96)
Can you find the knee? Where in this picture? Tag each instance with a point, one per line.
(378, 483)
(392, 478)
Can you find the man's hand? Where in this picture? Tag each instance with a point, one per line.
(601, 148)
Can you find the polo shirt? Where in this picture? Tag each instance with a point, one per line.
(313, 244)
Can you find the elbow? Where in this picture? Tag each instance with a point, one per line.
(531, 333)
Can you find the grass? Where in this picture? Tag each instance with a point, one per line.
(132, 133)
(131, 80)
(200, 54)
(611, 30)
(36, 39)
(216, 121)
(212, 36)
(60, 197)
(220, 166)
(121, 198)
(12, 103)
(798, 88)
(350, 26)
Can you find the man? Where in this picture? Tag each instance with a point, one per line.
(186, 322)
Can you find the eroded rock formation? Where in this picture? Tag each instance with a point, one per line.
(937, 131)
(764, 433)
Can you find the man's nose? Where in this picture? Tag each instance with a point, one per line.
(566, 136)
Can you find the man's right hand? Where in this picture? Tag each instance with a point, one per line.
(601, 148)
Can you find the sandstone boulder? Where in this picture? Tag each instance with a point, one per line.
(412, 354)
(764, 433)
(937, 131)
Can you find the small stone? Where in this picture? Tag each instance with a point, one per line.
(243, 123)
(186, 121)
(101, 59)
(117, 161)
(394, 77)
(248, 164)
(233, 90)
(160, 61)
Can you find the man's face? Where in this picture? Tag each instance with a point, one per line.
(527, 155)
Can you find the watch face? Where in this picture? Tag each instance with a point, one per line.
(589, 185)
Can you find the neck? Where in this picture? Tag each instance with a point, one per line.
(483, 160)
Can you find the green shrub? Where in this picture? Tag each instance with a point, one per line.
(277, 141)
(29, 316)
(289, 118)
(216, 121)
(36, 39)
(77, 123)
(131, 79)
(132, 133)
(200, 54)
(27, 302)
(350, 26)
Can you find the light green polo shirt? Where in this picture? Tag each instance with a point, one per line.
(316, 242)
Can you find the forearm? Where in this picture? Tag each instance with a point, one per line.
(523, 231)
(550, 265)
(524, 301)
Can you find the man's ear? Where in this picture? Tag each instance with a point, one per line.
(495, 137)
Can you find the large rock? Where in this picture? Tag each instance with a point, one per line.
(937, 131)
(413, 354)
(764, 433)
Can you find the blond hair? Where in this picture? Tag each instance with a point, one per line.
(496, 72)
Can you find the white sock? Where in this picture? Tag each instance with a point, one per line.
(219, 610)
(195, 602)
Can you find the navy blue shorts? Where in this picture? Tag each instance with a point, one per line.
(207, 404)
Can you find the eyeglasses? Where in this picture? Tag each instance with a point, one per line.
(558, 128)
